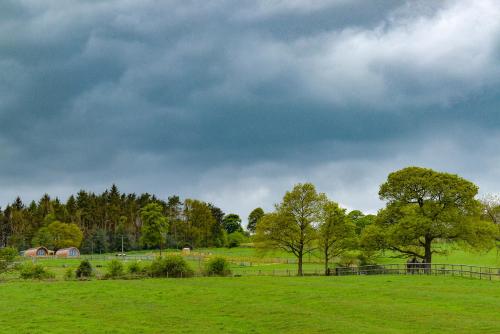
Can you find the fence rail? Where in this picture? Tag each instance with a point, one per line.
(444, 269)
(435, 269)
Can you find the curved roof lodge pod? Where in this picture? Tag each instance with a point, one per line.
(68, 252)
(37, 251)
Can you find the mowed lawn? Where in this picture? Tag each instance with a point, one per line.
(371, 304)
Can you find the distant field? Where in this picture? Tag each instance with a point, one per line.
(249, 261)
(370, 304)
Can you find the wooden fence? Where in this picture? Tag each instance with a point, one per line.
(444, 269)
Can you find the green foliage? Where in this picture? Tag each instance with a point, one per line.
(200, 227)
(134, 268)
(105, 217)
(253, 219)
(84, 270)
(423, 207)
(35, 271)
(115, 269)
(58, 235)
(218, 266)
(155, 225)
(170, 266)
(7, 257)
(69, 274)
(292, 226)
(43, 238)
(235, 239)
(232, 223)
(360, 220)
(336, 232)
(8, 254)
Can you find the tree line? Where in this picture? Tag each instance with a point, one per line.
(424, 209)
(99, 223)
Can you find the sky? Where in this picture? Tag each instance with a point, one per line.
(234, 102)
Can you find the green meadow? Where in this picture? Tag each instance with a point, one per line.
(371, 304)
(252, 304)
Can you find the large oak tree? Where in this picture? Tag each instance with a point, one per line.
(425, 207)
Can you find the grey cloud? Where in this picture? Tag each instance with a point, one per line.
(233, 102)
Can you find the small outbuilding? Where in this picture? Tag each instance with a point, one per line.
(68, 252)
(37, 251)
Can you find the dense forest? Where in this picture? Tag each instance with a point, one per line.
(99, 222)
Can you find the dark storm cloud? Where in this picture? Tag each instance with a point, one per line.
(233, 102)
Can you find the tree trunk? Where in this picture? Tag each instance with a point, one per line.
(327, 271)
(428, 250)
(299, 273)
(428, 253)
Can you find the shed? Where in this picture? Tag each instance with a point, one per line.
(68, 252)
(37, 251)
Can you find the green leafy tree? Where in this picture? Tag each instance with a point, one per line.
(360, 220)
(336, 233)
(291, 227)
(154, 225)
(199, 223)
(219, 233)
(253, 218)
(58, 235)
(424, 207)
(43, 237)
(65, 235)
(232, 223)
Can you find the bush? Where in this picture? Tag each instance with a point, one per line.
(7, 257)
(134, 268)
(69, 274)
(235, 239)
(35, 271)
(84, 270)
(115, 269)
(170, 266)
(218, 266)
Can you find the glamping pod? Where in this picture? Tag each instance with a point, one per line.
(68, 252)
(37, 251)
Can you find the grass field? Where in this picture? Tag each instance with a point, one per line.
(374, 304)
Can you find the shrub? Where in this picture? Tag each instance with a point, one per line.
(235, 239)
(7, 257)
(35, 271)
(170, 266)
(218, 266)
(84, 270)
(115, 269)
(69, 274)
(134, 268)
